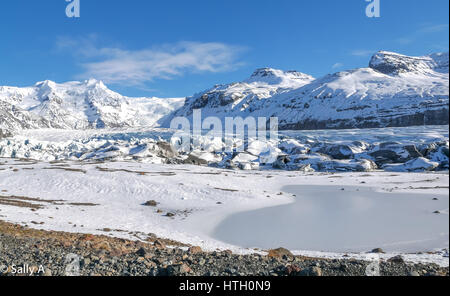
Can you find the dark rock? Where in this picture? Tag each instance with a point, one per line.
(281, 162)
(151, 203)
(413, 152)
(141, 252)
(397, 259)
(179, 269)
(377, 251)
(385, 156)
(195, 160)
(292, 270)
(340, 152)
(159, 245)
(311, 271)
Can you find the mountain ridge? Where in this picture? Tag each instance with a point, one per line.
(394, 90)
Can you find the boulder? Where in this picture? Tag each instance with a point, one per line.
(426, 150)
(178, 269)
(340, 151)
(159, 244)
(279, 253)
(397, 259)
(195, 250)
(291, 146)
(281, 162)
(366, 165)
(378, 251)
(311, 271)
(151, 203)
(230, 165)
(167, 150)
(385, 156)
(412, 151)
(141, 252)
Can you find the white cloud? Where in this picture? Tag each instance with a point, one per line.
(135, 67)
(434, 28)
(337, 65)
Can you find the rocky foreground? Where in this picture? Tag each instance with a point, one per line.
(25, 252)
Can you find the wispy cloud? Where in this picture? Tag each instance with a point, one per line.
(433, 28)
(136, 67)
(337, 66)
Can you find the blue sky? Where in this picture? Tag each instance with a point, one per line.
(176, 48)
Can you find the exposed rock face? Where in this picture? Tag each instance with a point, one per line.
(244, 97)
(4, 134)
(394, 64)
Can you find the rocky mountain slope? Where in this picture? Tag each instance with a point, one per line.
(244, 97)
(395, 90)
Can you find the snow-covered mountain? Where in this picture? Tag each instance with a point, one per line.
(77, 105)
(236, 99)
(395, 90)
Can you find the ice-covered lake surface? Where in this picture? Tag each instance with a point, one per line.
(343, 219)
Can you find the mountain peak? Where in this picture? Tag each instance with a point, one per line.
(275, 76)
(95, 83)
(392, 63)
(265, 72)
(45, 84)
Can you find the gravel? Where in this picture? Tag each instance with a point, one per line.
(23, 250)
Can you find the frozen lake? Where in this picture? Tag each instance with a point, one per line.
(357, 219)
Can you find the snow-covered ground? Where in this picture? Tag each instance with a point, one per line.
(108, 197)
